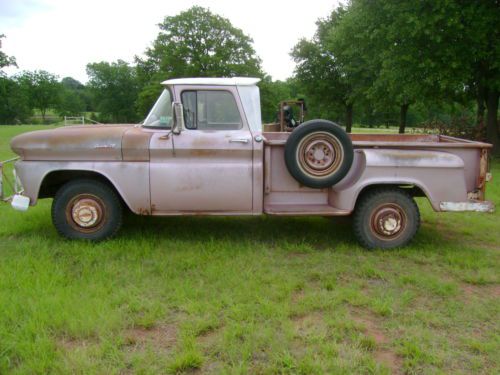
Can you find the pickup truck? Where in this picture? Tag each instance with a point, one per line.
(203, 150)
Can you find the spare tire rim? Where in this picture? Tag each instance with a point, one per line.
(388, 221)
(320, 154)
(85, 213)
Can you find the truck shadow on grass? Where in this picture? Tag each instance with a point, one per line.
(319, 232)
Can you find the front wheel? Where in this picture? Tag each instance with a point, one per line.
(386, 218)
(87, 209)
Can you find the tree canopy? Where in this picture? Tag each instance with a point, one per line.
(326, 72)
(385, 54)
(13, 102)
(195, 43)
(199, 43)
(41, 88)
(5, 60)
(115, 89)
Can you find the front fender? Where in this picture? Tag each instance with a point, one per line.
(130, 179)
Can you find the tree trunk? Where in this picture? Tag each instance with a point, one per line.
(348, 118)
(402, 120)
(480, 98)
(492, 131)
(43, 115)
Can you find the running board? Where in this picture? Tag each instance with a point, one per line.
(304, 210)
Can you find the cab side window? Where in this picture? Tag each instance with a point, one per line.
(210, 110)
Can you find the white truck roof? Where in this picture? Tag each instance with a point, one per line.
(233, 81)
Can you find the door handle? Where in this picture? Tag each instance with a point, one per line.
(239, 140)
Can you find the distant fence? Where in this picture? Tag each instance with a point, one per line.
(72, 120)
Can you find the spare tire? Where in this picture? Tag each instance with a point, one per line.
(318, 153)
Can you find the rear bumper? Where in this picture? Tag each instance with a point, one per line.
(474, 206)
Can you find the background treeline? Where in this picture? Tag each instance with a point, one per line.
(432, 64)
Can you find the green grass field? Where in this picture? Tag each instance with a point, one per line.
(248, 296)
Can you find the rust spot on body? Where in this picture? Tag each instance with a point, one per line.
(143, 211)
(203, 152)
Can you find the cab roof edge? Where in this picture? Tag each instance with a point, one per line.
(233, 81)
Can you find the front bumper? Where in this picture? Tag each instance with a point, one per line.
(470, 205)
(11, 189)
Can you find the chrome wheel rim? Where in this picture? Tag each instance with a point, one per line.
(86, 213)
(319, 154)
(388, 221)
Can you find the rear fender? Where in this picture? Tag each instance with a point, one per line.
(439, 175)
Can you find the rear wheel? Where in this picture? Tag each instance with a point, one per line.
(386, 218)
(87, 209)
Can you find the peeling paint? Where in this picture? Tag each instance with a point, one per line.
(412, 158)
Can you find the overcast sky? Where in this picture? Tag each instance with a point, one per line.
(62, 36)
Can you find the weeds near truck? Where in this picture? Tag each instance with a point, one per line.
(248, 295)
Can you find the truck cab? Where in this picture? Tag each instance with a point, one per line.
(214, 164)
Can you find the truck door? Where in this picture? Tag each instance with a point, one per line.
(208, 167)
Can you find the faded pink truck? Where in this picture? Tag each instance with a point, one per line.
(203, 150)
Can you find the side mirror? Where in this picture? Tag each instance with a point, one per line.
(178, 125)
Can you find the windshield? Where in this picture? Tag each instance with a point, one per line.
(161, 114)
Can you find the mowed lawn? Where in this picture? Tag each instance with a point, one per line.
(249, 296)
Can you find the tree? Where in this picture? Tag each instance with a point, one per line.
(409, 47)
(195, 43)
(14, 103)
(4, 59)
(480, 53)
(115, 88)
(430, 51)
(325, 72)
(70, 103)
(72, 84)
(72, 97)
(42, 88)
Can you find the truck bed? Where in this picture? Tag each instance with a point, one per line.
(379, 157)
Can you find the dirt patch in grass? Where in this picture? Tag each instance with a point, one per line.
(296, 254)
(73, 343)
(162, 337)
(208, 368)
(473, 291)
(307, 321)
(210, 345)
(306, 326)
(445, 231)
(297, 296)
(209, 338)
(382, 352)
